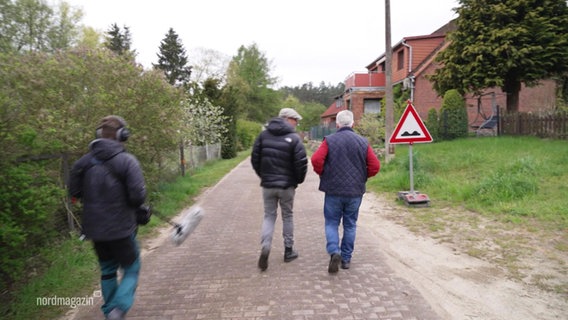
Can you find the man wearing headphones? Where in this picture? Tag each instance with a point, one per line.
(109, 182)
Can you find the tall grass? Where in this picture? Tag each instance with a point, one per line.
(510, 178)
(70, 267)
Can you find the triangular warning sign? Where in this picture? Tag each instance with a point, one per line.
(410, 128)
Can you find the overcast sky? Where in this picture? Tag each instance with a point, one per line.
(305, 40)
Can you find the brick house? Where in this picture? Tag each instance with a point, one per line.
(363, 94)
(413, 60)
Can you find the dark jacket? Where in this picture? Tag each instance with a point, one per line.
(278, 156)
(344, 161)
(110, 184)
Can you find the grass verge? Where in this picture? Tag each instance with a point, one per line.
(501, 199)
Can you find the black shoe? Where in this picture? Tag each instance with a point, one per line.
(334, 263)
(345, 264)
(263, 260)
(290, 254)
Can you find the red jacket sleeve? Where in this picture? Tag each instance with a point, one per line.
(318, 158)
(373, 163)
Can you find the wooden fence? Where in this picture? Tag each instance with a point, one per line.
(550, 124)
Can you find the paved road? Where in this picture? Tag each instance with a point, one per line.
(214, 275)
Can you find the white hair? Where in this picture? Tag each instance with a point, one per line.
(344, 119)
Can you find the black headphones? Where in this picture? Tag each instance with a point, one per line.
(122, 133)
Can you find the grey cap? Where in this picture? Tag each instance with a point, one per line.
(289, 113)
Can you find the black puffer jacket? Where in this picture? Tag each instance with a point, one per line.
(278, 156)
(110, 183)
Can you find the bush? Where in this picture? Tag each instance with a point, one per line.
(29, 201)
(432, 124)
(372, 127)
(247, 131)
(453, 117)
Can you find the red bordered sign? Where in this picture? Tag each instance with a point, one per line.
(410, 128)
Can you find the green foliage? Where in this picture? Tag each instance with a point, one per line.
(247, 131)
(33, 25)
(308, 93)
(510, 182)
(29, 201)
(372, 127)
(249, 78)
(510, 178)
(119, 41)
(68, 268)
(172, 59)
(432, 124)
(64, 32)
(310, 112)
(504, 43)
(230, 144)
(66, 94)
(453, 120)
(401, 97)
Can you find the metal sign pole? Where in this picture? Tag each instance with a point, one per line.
(411, 168)
(411, 129)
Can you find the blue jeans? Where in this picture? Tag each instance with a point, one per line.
(125, 254)
(336, 209)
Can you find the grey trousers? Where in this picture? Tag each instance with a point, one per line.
(273, 197)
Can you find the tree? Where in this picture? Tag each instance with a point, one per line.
(27, 23)
(89, 38)
(205, 122)
(208, 64)
(503, 43)
(119, 41)
(310, 112)
(172, 60)
(64, 32)
(372, 127)
(307, 92)
(249, 78)
(222, 97)
(32, 25)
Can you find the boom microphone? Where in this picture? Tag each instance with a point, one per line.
(190, 220)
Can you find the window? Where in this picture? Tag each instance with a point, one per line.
(372, 106)
(400, 58)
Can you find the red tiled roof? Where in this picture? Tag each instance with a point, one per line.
(333, 110)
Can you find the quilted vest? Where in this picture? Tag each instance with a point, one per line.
(345, 168)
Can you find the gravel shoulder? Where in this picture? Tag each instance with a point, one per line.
(467, 268)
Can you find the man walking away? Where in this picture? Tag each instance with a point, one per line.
(109, 182)
(279, 159)
(343, 161)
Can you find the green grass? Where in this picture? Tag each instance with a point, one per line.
(500, 199)
(511, 179)
(70, 267)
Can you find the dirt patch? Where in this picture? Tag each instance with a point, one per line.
(470, 267)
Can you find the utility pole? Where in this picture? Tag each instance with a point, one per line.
(389, 103)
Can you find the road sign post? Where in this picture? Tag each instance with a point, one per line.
(410, 129)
